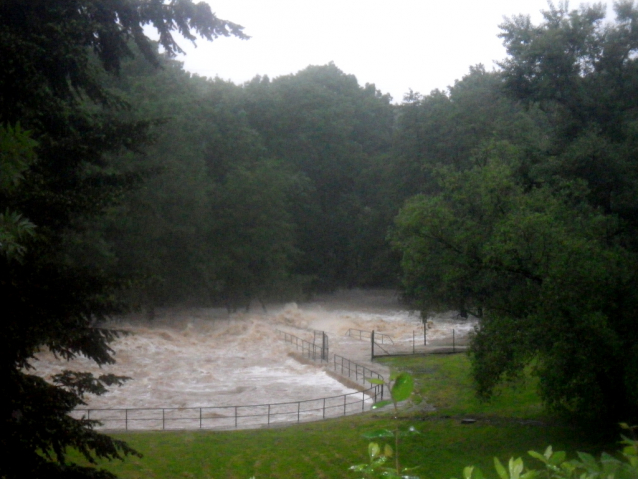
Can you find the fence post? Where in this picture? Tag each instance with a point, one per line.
(235, 417)
(413, 341)
(269, 414)
(200, 417)
(372, 344)
(425, 333)
(324, 347)
(453, 342)
(126, 420)
(324, 408)
(298, 412)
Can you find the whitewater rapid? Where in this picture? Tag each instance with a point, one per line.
(204, 357)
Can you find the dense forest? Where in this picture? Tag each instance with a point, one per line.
(126, 182)
(265, 191)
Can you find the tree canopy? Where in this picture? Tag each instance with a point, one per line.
(59, 125)
(534, 233)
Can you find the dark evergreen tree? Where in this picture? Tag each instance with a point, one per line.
(53, 55)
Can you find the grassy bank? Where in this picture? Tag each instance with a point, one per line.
(508, 426)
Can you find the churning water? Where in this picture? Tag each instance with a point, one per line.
(203, 357)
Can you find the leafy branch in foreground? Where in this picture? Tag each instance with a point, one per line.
(401, 386)
(556, 467)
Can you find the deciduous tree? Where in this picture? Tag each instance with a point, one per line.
(537, 236)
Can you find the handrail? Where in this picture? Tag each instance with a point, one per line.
(307, 348)
(217, 417)
(419, 346)
(361, 373)
(339, 364)
(362, 334)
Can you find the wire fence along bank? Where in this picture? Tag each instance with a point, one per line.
(418, 345)
(314, 351)
(361, 334)
(344, 367)
(256, 415)
(231, 417)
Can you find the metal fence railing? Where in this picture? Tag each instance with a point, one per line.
(343, 366)
(256, 415)
(353, 371)
(361, 334)
(419, 344)
(232, 417)
(310, 350)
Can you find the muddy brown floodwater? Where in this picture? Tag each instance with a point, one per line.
(204, 357)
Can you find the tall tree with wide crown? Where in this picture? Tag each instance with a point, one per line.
(57, 128)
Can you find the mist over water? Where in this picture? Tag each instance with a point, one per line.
(203, 357)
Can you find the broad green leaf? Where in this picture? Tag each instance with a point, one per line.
(588, 462)
(548, 452)
(568, 468)
(515, 467)
(530, 474)
(373, 450)
(537, 455)
(557, 458)
(387, 451)
(629, 450)
(467, 472)
(402, 387)
(502, 473)
(606, 458)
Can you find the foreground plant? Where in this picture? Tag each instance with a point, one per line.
(377, 468)
(401, 386)
(556, 467)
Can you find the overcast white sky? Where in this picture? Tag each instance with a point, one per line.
(395, 44)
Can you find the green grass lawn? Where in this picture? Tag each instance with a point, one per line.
(509, 426)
